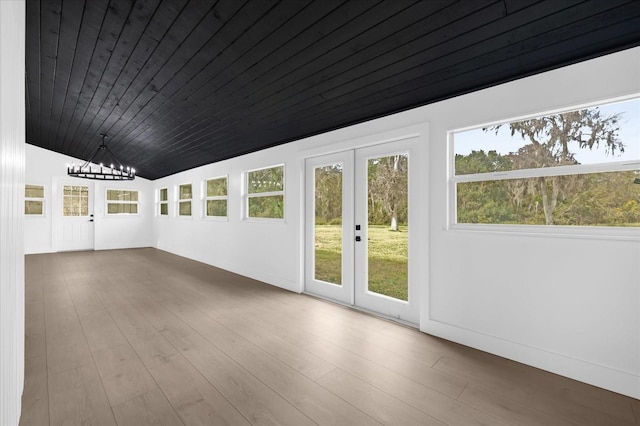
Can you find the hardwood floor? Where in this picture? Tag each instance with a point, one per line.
(136, 337)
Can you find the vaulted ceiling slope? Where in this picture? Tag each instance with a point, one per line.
(181, 83)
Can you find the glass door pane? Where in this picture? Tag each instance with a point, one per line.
(388, 226)
(329, 234)
(384, 192)
(328, 223)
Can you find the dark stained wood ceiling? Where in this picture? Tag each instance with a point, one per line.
(181, 83)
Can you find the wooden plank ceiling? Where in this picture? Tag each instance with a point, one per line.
(181, 83)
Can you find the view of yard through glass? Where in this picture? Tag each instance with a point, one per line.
(607, 136)
(387, 239)
(388, 254)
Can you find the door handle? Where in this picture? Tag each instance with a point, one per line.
(90, 220)
(358, 238)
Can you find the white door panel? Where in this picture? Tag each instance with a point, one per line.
(74, 215)
(352, 256)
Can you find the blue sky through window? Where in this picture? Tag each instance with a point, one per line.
(504, 143)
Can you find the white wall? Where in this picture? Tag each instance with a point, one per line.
(565, 304)
(12, 134)
(265, 251)
(47, 168)
(577, 315)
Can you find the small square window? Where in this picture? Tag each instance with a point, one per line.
(216, 197)
(34, 200)
(122, 201)
(265, 193)
(185, 194)
(163, 197)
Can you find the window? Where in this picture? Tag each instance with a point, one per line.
(265, 193)
(34, 200)
(75, 200)
(185, 195)
(216, 197)
(164, 202)
(122, 202)
(575, 168)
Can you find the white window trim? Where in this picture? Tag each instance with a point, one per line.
(206, 198)
(107, 202)
(89, 198)
(183, 200)
(43, 200)
(564, 231)
(161, 202)
(247, 196)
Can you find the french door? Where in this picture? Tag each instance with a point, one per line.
(75, 225)
(358, 232)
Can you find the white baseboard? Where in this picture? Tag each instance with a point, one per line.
(39, 250)
(244, 270)
(622, 382)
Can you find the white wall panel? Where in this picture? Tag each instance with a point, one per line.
(47, 168)
(562, 303)
(267, 251)
(577, 315)
(12, 160)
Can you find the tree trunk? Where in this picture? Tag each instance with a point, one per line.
(549, 200)
(394, 220)
(394, 207)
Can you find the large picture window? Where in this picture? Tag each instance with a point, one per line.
(163, 201)
(265, 193)
(34, 200)
(122, 201)
(574, 168)
(216, 197)
(185, 195)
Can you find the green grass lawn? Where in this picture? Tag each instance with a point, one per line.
(387, 258)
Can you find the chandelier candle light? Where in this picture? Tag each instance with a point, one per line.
(92, 170)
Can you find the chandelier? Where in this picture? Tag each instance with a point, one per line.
(90, 169)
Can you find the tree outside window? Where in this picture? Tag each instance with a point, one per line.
(574, 168)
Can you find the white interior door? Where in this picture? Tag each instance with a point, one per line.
(358, 235)
(75, 228)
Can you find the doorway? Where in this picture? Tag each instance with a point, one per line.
(358, 229)
(75, 229)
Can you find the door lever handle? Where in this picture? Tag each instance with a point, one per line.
(90, 220)
(358, 238)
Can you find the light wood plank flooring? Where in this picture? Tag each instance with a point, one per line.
(136, 337)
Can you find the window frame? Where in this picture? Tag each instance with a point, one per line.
(206, 198)
(247, 196)
(180, 200)
(576, 231)
(162, 202)
(107, 202)
(42, 200)
(66, 197)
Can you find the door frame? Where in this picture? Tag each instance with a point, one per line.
(56, 214)
(339, 141)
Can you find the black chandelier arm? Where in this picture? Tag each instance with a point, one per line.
(111, 155)
(91, 170)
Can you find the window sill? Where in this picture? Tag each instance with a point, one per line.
(553, 231)
(264, 220)
(216, 218)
